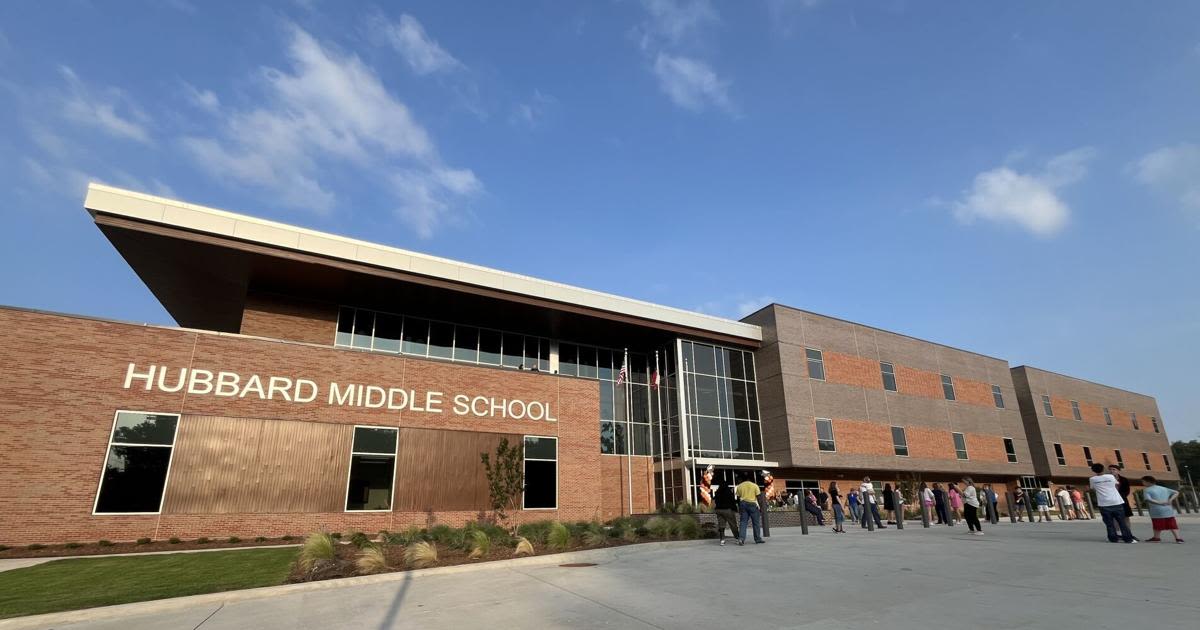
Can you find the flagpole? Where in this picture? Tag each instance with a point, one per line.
(629, 431)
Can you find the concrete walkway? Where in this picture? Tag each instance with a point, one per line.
(1062, 575)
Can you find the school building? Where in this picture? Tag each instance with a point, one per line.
(321, 382)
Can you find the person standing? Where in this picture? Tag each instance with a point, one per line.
(747, 493)
(956, 503)
(726, 509)
(1019, 505)
(1110, 502)
(939, 504)
(994, 501)
(870, 507)
(1081, 510)
(889, 503)
(852, 500)
(970, 497)
(1123, 489)
(1043, 505)
(1162, 513)
(926, 501)
(835, 502)
(1064, 501)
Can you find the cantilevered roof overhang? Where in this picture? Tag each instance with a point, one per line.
(200, 262)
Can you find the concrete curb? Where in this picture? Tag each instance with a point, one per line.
(608, 554)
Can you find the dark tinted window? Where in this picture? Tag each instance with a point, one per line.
(568, 358)
(144, 428)
(441, 340)
(825, 435)
(1058, 452)
(541, 487)
(997, 397)
(466, 344)
(416, 336)
(587, 362)
(888, 373)
(816, 364)
(387, 332)
(370, 485)
(514, 350)
(489, 347)
(374, 440)
(705, 359)
(134, 479)
(947, 387)
(960, 446)
(364, 327)
(345, 326)
(1010, 450)
(899, 441)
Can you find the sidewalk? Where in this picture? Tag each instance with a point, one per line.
(1060, 574)
(8, 564)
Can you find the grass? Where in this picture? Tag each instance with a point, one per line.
(88, 582)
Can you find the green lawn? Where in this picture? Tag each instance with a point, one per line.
(89, 582)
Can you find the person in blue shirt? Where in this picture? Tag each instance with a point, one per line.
(1043, 506)
(1162, 513)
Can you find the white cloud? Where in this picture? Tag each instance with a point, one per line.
(784, 13)
(329, 110)
(735, 306)
(108, 110)
(205, 100)
(61, 180)
(690, 83)
(1027, 200)
(409, 38)
(1173, 171)
(671, 22)
(531, 112)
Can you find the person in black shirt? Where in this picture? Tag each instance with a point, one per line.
(889, 503)
(1123, 490)
(835, 496)
(726, 511)
(939, 503)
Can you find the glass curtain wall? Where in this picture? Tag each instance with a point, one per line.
(721, 399)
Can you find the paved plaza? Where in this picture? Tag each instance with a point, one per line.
(1060, 575)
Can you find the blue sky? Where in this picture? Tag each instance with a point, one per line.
(1018, 179)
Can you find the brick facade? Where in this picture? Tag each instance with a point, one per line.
(64, 380)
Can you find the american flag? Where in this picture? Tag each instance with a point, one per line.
(624, 372)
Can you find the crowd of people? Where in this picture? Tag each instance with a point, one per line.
(738, 507)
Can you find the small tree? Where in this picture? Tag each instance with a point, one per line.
(505, 476)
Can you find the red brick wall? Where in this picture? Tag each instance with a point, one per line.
(615, 485)
(63, 380)
(861, 437)
(277, 317)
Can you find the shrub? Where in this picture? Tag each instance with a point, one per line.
(559, 536)
(336, 535)
(371, 560)
(287, 538)
(595, 536)
(359, 539)
(481, 544)
(535, 531)
(260, 539)
(174, 540)
(203, 540)
(72, 545)
(421, 554)
(4, 547)
(442, 534)
(35, 547)
(143, 541)
(318, 546)
(683, 507)
(688, 528)
(105, 543)
(641, 531)
(631, 534)
(666, 508)
(524, 547)
(661, 526)
(234, 540)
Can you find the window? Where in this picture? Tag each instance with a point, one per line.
(137, 463)
(798, 486)
(816, 364)
(1010, 450)
(997, 397)
(1075, 410)
(899, 441)
(960, 445)
(721, 406)
(541, 473)
(1046, 406)
(1087, 455)
(825, 435)
(1120, 460)
(1167, 462)
(1133, 421)
(888, 372)
(1107, 417)
(948, 387)
(1058, 452)
(372, 469)
(1146, 459)
(1154, 423)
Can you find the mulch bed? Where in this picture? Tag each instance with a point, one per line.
(93, 549)
(343, 565)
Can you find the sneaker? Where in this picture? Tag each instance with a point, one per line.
(1133, 542)
(741, 542)
(759, 542)
(722, 542)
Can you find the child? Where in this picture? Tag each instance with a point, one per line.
(1162, 513)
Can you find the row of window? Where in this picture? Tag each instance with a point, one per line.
(826, 441)
(1078, 415)
(138, 461)
(1087, 457)
(399, 334)
(887, 373)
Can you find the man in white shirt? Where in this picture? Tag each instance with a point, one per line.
(870, 508)
(1064, 502)
(1112, 506)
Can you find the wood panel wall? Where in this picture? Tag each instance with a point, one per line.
(247, 465)
(440, 470)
